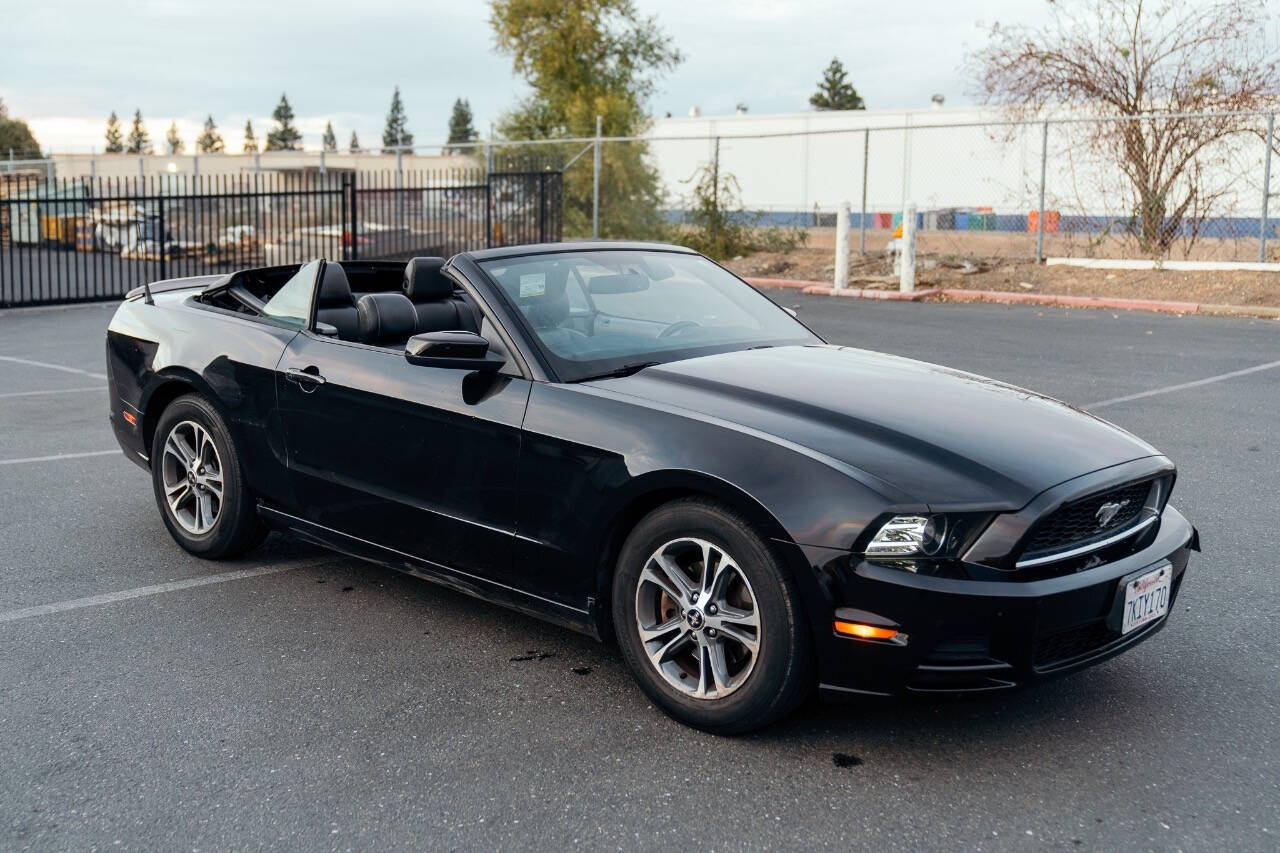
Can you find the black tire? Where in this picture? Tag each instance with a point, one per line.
(237, 528)
(782, 673)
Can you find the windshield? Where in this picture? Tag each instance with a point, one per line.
(598, 312)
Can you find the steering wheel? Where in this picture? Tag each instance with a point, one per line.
(677, 327)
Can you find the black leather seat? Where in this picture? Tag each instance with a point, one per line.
(386, 319)
(334, 303)
(432, 295)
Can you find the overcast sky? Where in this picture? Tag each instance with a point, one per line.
(66, 64)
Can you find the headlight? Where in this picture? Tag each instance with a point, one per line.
(909, 535)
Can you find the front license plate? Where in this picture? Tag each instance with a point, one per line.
(1146, 598)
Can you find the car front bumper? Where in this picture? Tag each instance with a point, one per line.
(965, 636)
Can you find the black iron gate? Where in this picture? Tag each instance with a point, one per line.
(78, 240)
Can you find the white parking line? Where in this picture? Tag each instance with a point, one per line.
(51, 391)
(1169, 389)
(58, 456)
(155, 589)
(61, 367)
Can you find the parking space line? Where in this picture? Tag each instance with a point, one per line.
(51, 391)
(154, 589)
(46, 364)
(57, 456)
(1183, 386)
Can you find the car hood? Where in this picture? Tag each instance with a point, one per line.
(942, 437)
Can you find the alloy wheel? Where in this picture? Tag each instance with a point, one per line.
(191, 471)
(698, 619)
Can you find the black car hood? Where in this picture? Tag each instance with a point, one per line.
(943, 437)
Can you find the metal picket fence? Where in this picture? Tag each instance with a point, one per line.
(84, 239)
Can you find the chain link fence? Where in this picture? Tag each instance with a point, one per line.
(1176, 187)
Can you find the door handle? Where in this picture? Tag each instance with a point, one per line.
(308, 378)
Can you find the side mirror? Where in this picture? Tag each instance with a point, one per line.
(327, 330)
(458, 350)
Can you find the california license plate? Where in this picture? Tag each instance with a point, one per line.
(1146, 598)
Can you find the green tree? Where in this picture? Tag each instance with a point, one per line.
(396, 133)
(354, 147)
(330, 140)
(460, 128)
(114, 136)
(16, 136)
(172, 141)
(139, 141)
(250, 140)
(835, 92)
(210, 141)
(582, 59)
(284, 136)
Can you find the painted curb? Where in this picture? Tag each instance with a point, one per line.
(1005, 297)
(890, 295)
(788, 283)
(818, 288)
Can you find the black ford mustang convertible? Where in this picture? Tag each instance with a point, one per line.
(629, 440)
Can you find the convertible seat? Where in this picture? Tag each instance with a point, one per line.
(386, 319)
(335, 305)
(431, 293)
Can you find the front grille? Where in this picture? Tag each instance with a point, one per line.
(1075, 524)
(1072, 643)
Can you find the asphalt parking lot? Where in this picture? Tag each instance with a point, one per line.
(314, 701)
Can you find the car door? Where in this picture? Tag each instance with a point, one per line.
(419, 459)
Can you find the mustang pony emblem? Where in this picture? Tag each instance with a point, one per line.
(1108, 511)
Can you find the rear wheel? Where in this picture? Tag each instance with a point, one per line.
(199, 487)
(708, 621)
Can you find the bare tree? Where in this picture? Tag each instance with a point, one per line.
(1143, 66)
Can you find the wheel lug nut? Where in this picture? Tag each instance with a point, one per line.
(711, 632)
(712, 609)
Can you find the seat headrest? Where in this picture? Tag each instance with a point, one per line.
(334, 287)
(424, 282)
(385, 317)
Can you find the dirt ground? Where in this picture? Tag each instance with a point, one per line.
(971, 271)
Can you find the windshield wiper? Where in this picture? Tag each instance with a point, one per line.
(625, 370)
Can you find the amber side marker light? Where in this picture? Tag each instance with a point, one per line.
(865, 632)
(131, 418)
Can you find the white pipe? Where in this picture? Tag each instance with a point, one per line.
(907, 279)
(842, 247)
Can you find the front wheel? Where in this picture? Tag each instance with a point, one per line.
(198, 484)
(708, 621)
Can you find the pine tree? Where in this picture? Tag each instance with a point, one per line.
(139, 141)
(330, 140)
(835, 92)
(115, 137)
(397, 132)
(172, 141)
(460, 128)
(354, 147)
(250, 141)
(210, 141)
(284, 136)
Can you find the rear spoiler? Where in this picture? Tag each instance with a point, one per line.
(200, 282)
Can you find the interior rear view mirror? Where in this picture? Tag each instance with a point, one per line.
(621, 283)
(459, 350)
